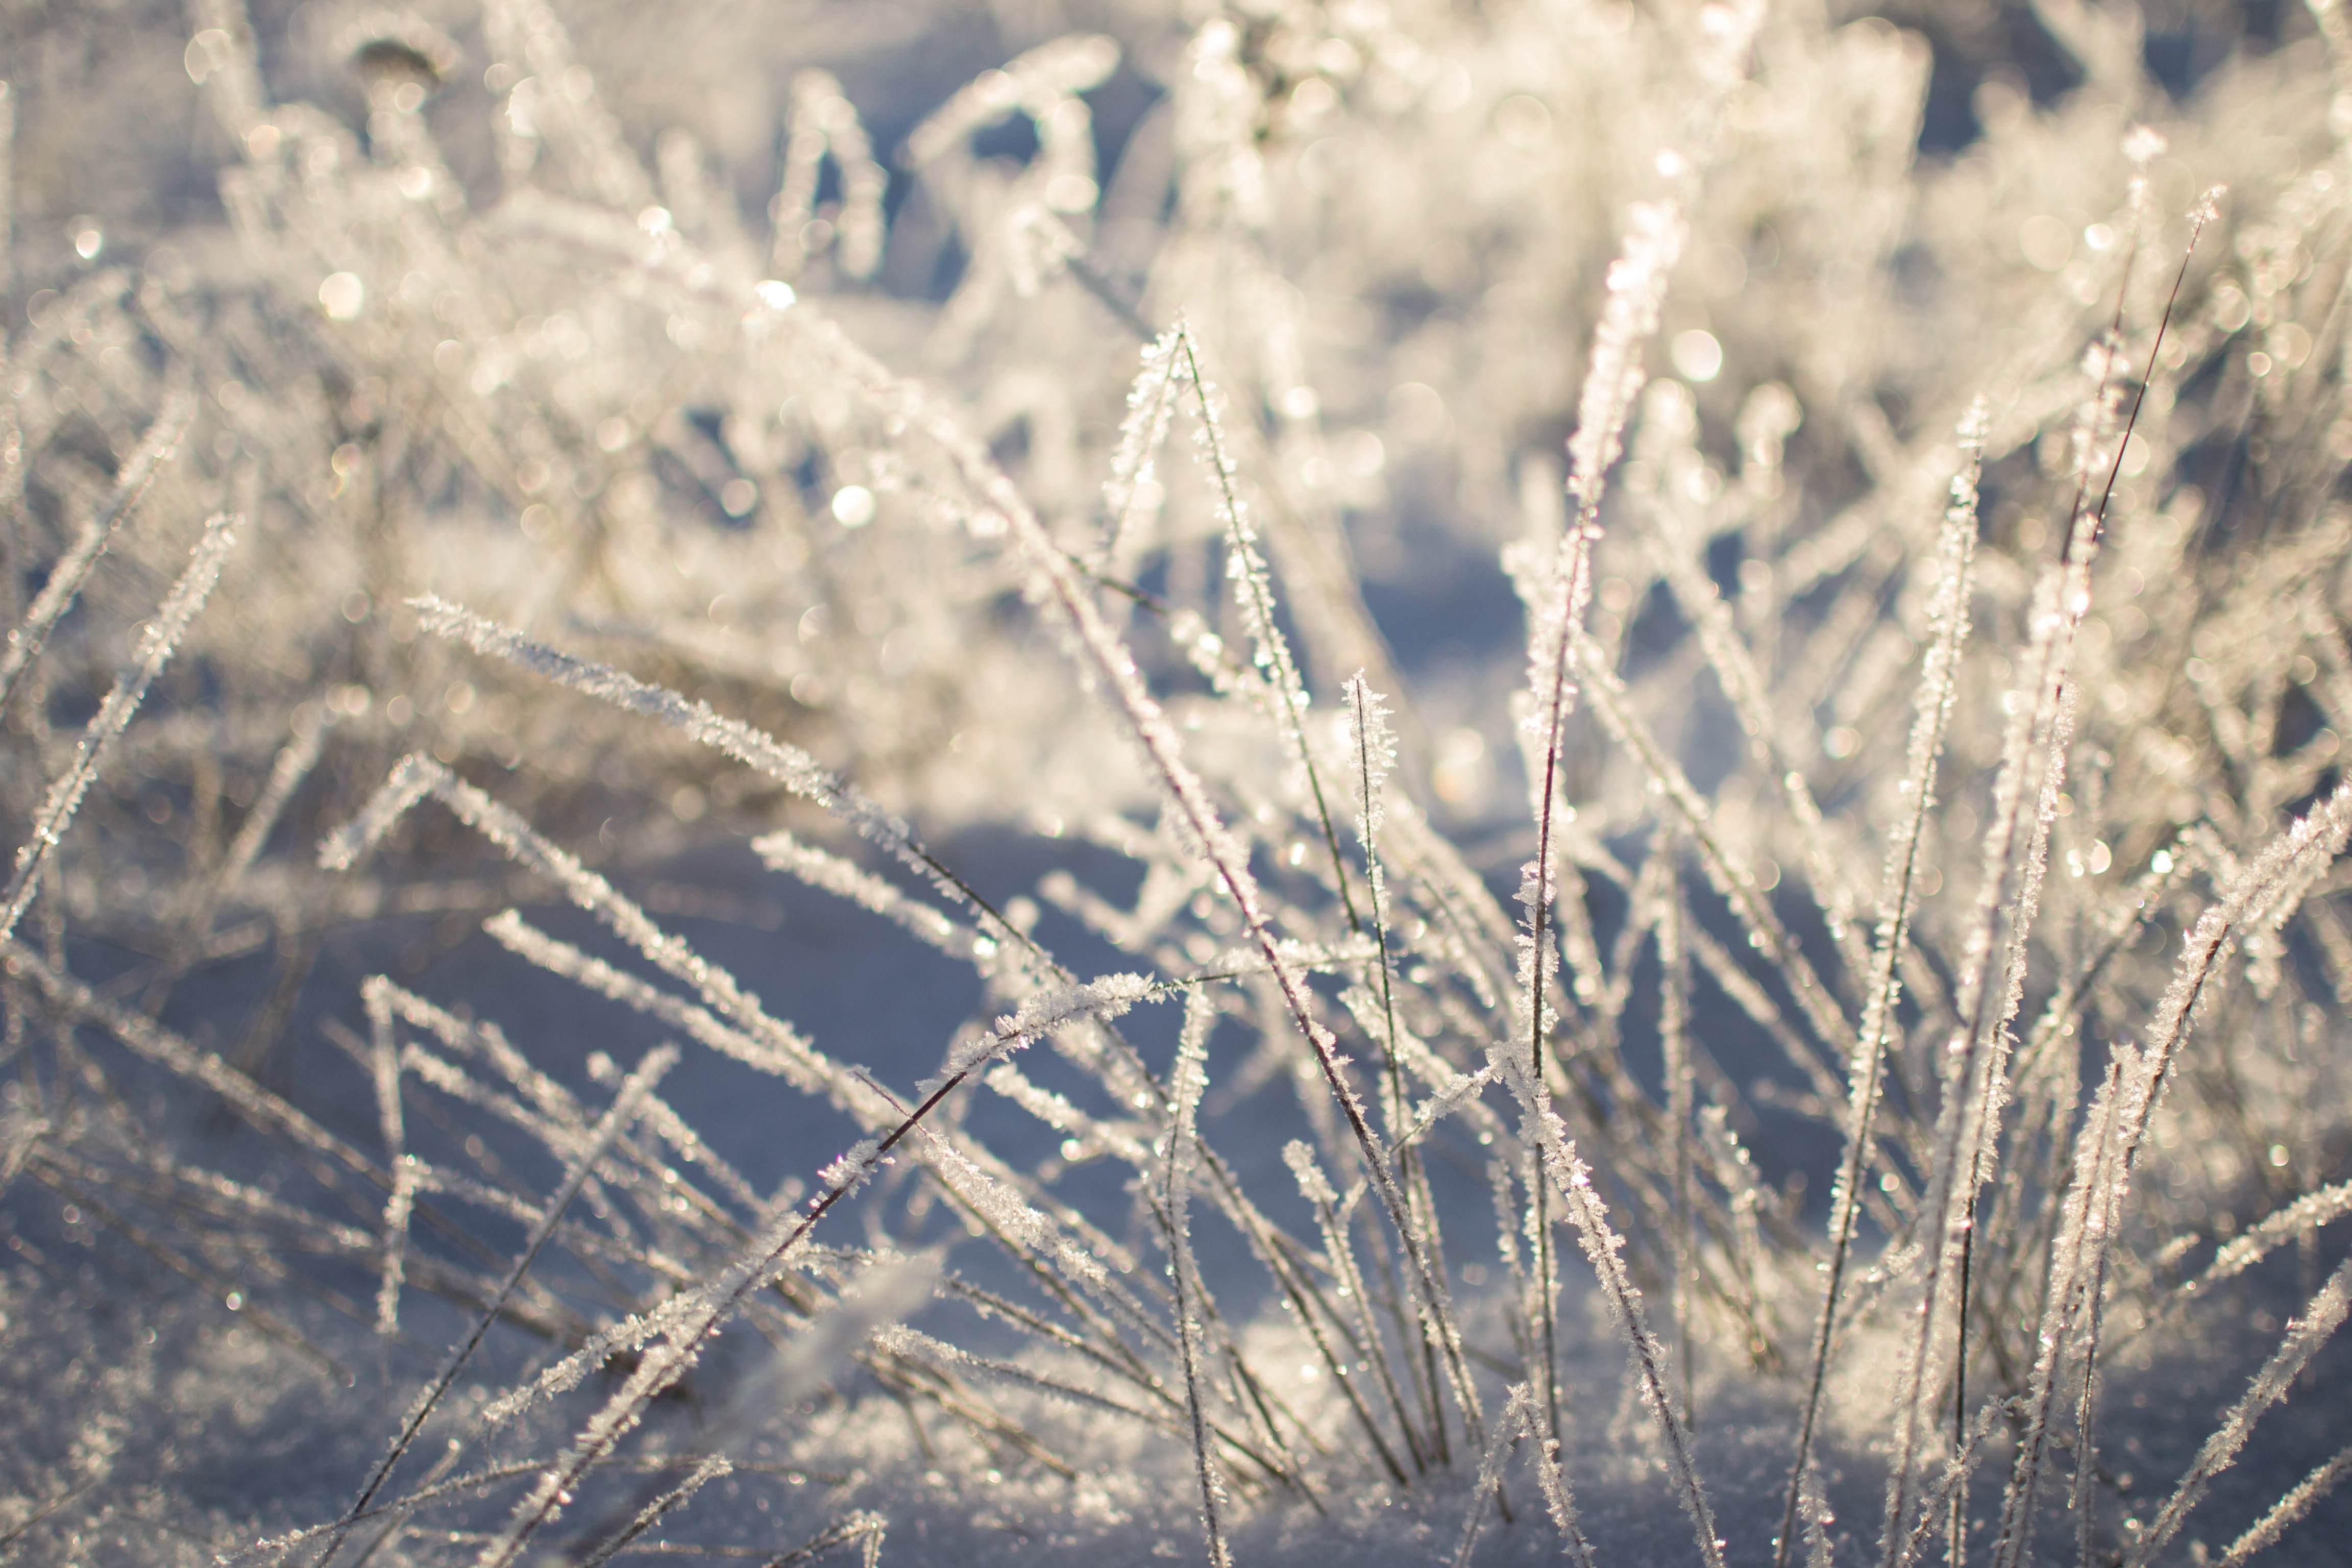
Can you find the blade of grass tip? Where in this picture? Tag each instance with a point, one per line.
(1330, 608)
(708, 1470)
(517, 936)
(139, 471)
(417, 777)
(2304, 1215)
(824, 121)
(1133, 490)
(2088, 428)
(861, 1527)
(482, 1040)
(780, 852)
(1253, 587)
(625, 1109)
(2305, 1496)
(2306, 1333)
(2208, 208)
(787, 765)
(156, 643)
(1188, 1081)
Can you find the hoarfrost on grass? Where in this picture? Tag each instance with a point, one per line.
(642, 545)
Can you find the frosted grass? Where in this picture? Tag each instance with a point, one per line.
(832, 582)
(157, 641)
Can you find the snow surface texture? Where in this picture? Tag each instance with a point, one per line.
(1376, 783)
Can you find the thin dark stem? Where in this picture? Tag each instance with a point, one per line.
(1539, 907)
(1289, 689)
(2141, 397)
(1957, 1535)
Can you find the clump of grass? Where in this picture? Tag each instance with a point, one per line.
(1917, 748)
